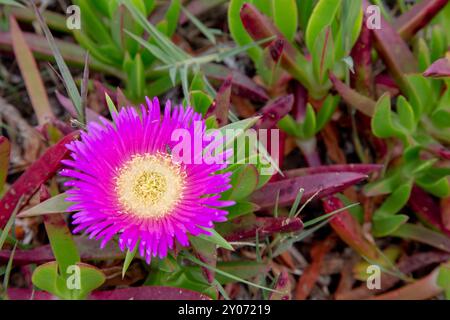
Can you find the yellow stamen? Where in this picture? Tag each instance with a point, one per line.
(149, 185)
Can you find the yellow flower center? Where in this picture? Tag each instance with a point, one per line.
(149, 185)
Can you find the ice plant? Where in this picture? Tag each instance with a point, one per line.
(125, 181)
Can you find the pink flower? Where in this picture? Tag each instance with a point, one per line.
(124, 181)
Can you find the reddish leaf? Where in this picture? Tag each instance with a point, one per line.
(283, 285)
(273, 111)
(247, 227)
(39, 172)
(30, 74)
(221, 104)
(349, 229)
(418, 17)
(323, 183)
(353, 97)
(276, 49)
(300, 101)
(362, 59)
(5, 149)
(393, 50)
(438, 69)
(384, 83)
(427, 209)
(445, 208)
(88, 249)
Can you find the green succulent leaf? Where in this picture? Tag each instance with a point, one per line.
(308, 126)
(285, 17)
(323, 54)
(326, 112)
(322, 16)
(80, 280)
(385, 123)
(200, 101)
(385, 225)
(406, 115)
(244, 181)
(443, 279)
(396, 200)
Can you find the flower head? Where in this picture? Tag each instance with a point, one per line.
(124, 181)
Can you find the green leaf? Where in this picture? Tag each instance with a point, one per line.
(386, 185)
(323, 15)
(437, 42)
(326, 111)
(383, 121)
(92, 24)
(56, 204)
(285, 17)
(443, 279)
(136, 77)
(441, 115)
(420, 95)
(172, 16)
(11, 3)
(288, 125)
(46, 277)
(129, 258)
(305, 8)
(406, 114)
(384, 225)
(439, 188)
(240, 209)
(217, 239)
(63, 246)
(351, 19)
(244, 181)
(308, 126)
(423, 55)
(323, 55)
(111, 106)
(200, 101)
(396, 200)
(238, 32)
